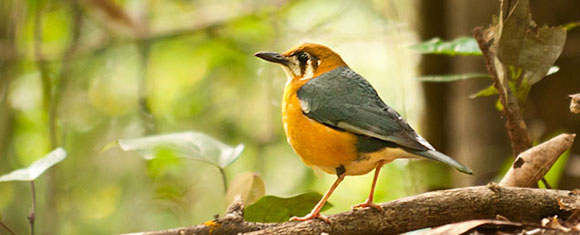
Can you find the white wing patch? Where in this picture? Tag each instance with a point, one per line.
(424, 142)
(358, 130)
(346, 126)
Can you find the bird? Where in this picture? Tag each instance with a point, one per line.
(335, 121)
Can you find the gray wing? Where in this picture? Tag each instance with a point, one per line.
(345, 100)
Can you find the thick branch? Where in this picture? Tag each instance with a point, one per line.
(407, 214)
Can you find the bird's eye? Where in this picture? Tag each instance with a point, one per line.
(303, 57)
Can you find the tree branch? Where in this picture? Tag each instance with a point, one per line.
(514, 122)
(7, 228)
(399, 216)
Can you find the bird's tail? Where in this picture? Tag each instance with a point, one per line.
(440, 157)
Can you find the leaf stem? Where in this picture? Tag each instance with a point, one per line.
(224, 179)
(32, 215)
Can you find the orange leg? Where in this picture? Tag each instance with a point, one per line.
(369, 201)
(315, 213)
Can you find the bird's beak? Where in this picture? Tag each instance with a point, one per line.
(273, 57)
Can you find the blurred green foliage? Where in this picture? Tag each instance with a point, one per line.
(458, 46)
(155, 67)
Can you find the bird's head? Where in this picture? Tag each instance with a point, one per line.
(305, 61)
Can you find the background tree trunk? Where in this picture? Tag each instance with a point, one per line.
(470, 130)
(9, 23)
(547, 109)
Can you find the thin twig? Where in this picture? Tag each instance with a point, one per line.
(7, 228)
(32, 215)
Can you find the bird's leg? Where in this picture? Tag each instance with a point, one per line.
(315, 213)
(369, 201)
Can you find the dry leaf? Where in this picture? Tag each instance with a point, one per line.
(524, 45)
(575, 103)
(463, 227)
(531, 165)
(554, 223)
(249, 186)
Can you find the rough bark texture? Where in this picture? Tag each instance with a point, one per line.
(411, 213)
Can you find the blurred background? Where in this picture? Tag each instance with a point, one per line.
(82, 74)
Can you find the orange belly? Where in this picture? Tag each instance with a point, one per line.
(316, 144)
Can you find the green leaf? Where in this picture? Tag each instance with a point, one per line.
(489, 91)
(272, 209)
(189, 145)
(555, 173)
(452, 77)
(498, 105)
(37, 168)
(522, 92)
(571, 25)
(459, 46)
(249, 186)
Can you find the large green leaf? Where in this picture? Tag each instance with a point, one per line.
(459, 46)
(190, 145)
(272, 209)
(452, 77)
(37, 168)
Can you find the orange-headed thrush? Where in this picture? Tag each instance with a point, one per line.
(335, 120)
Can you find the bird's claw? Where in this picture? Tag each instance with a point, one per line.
(310, 216)
(366, 204)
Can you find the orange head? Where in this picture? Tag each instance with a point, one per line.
(305, 61)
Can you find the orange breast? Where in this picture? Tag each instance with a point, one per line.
(316, 144)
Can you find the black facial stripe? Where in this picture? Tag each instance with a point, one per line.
(302, 67)
(314, 62)
(303, 58)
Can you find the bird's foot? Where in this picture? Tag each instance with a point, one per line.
(368, 203)
(310, 216)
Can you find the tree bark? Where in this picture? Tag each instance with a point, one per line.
(408, 214)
